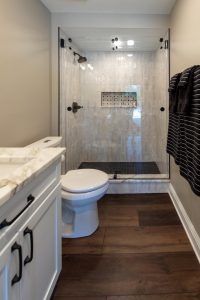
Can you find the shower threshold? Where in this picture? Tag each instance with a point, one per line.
(123, 168)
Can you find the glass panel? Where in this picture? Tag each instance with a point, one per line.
(121, 128)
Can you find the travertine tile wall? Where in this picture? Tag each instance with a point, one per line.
(161, 100)
(70, 123)
(115, 134)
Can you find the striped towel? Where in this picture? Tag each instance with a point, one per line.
(185, 90)
(184, 135)
(173, 92)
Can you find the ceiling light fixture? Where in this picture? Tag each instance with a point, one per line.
(130, 55)
(130, 42)
(115, 43)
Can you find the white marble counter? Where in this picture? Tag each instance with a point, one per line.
(18, 166)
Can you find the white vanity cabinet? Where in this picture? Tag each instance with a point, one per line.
(9, 262)
(30, 248)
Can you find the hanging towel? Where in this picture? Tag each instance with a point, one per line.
(184, 135)
(185, 90)
(173, 92)
(173, 140)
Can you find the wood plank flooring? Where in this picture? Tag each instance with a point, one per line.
(139, 252)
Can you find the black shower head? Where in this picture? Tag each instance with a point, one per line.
(81, 59)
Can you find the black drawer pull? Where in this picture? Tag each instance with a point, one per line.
(28, 259)
(6, 223)
(17, 278)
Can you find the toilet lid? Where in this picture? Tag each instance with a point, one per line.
(83, 180)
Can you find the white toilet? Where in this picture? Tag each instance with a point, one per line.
(81, 189)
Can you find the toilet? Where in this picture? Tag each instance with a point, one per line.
(81, 189)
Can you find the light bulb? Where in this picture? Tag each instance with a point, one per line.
(130, 42)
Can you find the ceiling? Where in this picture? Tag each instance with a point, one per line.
(111, 6)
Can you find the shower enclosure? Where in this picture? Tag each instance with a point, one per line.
(113, 111)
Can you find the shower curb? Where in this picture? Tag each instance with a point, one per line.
(137, 186)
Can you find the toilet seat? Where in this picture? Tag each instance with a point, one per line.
(82, 181)
(82, 197)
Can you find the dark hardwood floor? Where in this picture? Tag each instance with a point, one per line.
(139, 252)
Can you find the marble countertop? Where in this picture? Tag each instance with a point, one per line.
(21, 166)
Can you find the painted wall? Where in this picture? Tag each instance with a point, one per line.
(185, 49)
(25, 103)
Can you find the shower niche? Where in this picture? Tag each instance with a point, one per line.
(119, 99)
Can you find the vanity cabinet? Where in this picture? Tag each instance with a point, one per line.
(30, 261)
(9, 262)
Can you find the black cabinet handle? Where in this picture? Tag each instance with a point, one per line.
(6, 223)
(17, 278)
(162, 109)
(28, 259)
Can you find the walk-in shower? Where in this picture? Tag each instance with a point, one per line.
(120, 126)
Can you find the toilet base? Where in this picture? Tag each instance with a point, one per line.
(81, 222)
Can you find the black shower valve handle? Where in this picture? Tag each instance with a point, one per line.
(74, 108)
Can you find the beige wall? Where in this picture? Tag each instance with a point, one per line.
(185, 51)
(24, 72)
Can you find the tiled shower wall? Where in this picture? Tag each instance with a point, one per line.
(161, 100)
(98, 133)
(70, 126)
(122, 134)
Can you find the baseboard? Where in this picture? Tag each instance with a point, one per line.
(186, 222)
(129, 186)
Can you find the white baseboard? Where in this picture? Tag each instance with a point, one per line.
(187, 224)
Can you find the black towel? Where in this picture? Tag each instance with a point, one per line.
(184, 134)
(185, 90)
(173, 92)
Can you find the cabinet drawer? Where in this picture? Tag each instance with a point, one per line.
(26, 201)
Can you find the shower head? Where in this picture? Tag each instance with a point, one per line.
(81, 59)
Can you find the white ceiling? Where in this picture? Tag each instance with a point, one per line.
(111, 6)
(99, 39)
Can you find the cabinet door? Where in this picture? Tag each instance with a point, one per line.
(11, 270)
(41, 241)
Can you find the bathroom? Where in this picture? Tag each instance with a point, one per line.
(84, 84)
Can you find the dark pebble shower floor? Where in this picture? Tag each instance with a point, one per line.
(122, 167)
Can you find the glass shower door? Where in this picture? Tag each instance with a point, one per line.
(121, 128)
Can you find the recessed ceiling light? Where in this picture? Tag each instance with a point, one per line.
(130, 42)
(130, 55)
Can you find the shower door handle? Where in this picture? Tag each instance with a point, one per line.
(74, 108)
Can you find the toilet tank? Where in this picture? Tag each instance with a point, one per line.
(47, 142)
